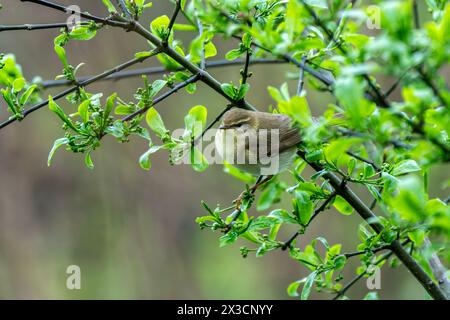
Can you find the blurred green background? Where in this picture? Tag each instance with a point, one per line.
(132, 232)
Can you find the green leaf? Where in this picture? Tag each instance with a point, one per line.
(239, 174)
(228, 89)
(144, 160)
(417, 236)
(275, 94)
(228, 238)
(314, 156)
(283, 216)
(109, 5)
(157, 86)
(61, 52)
(210, 50)
(159, 24)
(303, 206)
(298, 109)
(243, 89)
(269, 196)
(110, 102)
(183, 27)
(19, 84)
(144, 54)
(8, 96)
(155, 123)
(308, 285)
(405, 166)
(342, 206)
(83, 110)
(82, 33)
(58, 143)
(371, 296)
(124, 110)
(263, 222)
(350, 91)
(409, 200)
(198, 160)
(317, 3)
(88, 161)
(27, 94)
(339, 262)
(195, 120)
(233, 54)
(60, 113)
(292, 289)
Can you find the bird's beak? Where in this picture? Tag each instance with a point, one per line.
(222, 126)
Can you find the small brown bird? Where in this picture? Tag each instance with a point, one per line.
(259, 143)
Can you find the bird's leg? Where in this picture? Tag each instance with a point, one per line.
(261, 180)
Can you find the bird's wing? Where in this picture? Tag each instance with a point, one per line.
(289, 136)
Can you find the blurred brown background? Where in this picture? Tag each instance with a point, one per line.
(132, 232)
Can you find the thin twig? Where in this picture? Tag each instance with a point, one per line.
(370, 162)
(416, 14)
(301, 78)
(245, 73)
(427, 80)
(202, 53)
(37, 26)
(238, 211)
(216, 119)
(358, 253)
(124, 8)
(173, 19)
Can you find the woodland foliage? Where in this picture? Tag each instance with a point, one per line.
(364, 138)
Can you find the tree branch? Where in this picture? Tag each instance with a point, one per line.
(38, 26)
(46, 84)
